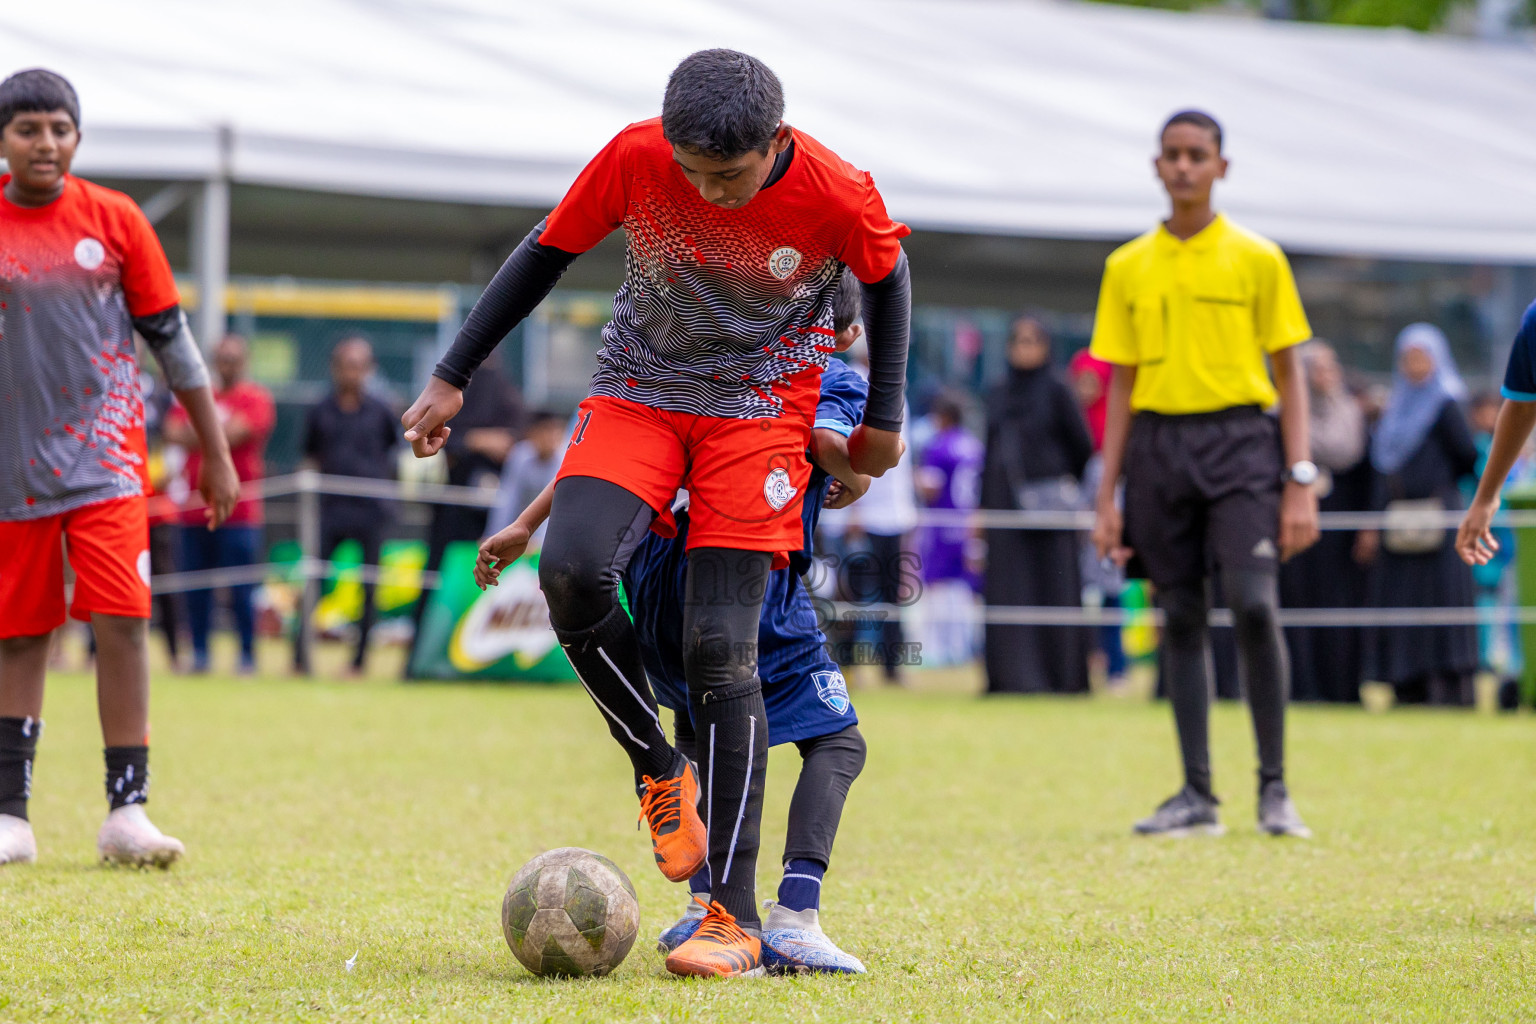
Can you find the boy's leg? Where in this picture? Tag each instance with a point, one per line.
(793, 941)
(594, 528)
(372, 539)
(23, 668)
(108, 546)
(1184, 658)
(721, 609)
(237, 548)
(31, 608)
(829, 764)
(197, 548)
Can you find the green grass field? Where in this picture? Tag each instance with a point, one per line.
(985, 869)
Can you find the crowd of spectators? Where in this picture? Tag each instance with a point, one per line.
(1031, 443)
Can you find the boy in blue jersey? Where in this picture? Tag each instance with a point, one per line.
(804, 692)
(1475, 541)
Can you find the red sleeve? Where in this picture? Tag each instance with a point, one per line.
(595, 205)
(874, 244)
(148, 285)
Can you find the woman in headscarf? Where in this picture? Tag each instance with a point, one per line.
(1325, 661)
(1421, 449)
(1037, 448)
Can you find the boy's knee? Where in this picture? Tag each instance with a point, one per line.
(713, 661)
(578, 595)
(1185, 612)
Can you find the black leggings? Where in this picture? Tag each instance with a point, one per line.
(594, 528)
(828, 766)
(1186, 665)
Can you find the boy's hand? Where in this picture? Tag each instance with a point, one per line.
(839, 495)
(1298, 520)
(219, 485)
(874, 451)
(1474, 540)
(1107, 529)
(425, 421)
(499, 551)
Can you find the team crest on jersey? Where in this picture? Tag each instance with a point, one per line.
(90, 253)
(832, 690)
(777, 490)
(783, 261)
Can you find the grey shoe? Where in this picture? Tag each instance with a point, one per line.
(1186, 813)
(1277, 815)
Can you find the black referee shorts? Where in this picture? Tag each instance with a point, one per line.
(1202, 492)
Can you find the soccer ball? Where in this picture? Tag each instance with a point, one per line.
(569, 913)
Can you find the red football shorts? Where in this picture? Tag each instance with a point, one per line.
(745, 478)
(108, 550)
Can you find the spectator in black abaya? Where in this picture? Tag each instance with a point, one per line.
(1421, 450)
(1325, 661)
(1037, 448)
(483, 434)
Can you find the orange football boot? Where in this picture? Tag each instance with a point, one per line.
(678, 836)
(719, 949)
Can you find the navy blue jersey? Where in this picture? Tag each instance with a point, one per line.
(803, 689)
(1520, 375)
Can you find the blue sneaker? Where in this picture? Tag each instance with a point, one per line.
(683, 930)
(793, 943)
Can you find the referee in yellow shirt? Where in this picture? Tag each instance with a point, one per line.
(1188, 313)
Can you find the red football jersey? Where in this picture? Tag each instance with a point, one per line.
(72, 275)
(719, 308)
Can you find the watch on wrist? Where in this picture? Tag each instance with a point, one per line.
(1303, 473)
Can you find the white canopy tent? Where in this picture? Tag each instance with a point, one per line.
(1023, 117)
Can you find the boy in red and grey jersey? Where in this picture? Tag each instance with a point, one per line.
(737, 228)
(80, 271)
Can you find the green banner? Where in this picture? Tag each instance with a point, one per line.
(503, 633)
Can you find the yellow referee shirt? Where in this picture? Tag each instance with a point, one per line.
(1197, 317)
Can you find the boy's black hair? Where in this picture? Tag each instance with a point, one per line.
(949, 405)
(539, 417)
(1198, 118)
(722, 103)
(37, 90)
(847, 302)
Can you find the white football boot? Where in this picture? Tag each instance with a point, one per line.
(793, 943)
(17, 845)
(129, 837)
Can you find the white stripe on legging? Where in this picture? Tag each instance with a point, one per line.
(741, 812)
(646, 707)
(643, 745)
(709, 784)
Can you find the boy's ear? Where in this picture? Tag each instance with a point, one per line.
(847, 336)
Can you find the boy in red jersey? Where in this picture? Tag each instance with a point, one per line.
(80, 271)
(738, 230)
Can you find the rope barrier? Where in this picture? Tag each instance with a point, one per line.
(308, 486)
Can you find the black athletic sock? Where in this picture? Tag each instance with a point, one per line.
(1184, 657)
(1265, 670)
(127, 775)
(722, 603)
(733, 763)
(18, 749)
(607, 660)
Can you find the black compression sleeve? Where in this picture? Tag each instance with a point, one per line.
(521, 284)
(159, 328)
(888, 326)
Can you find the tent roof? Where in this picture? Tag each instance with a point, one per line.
(1026, 117)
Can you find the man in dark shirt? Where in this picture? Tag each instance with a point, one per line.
(352, 433)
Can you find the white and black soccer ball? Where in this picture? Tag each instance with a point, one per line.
(570, 913)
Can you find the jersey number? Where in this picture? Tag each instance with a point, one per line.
(581, 428)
